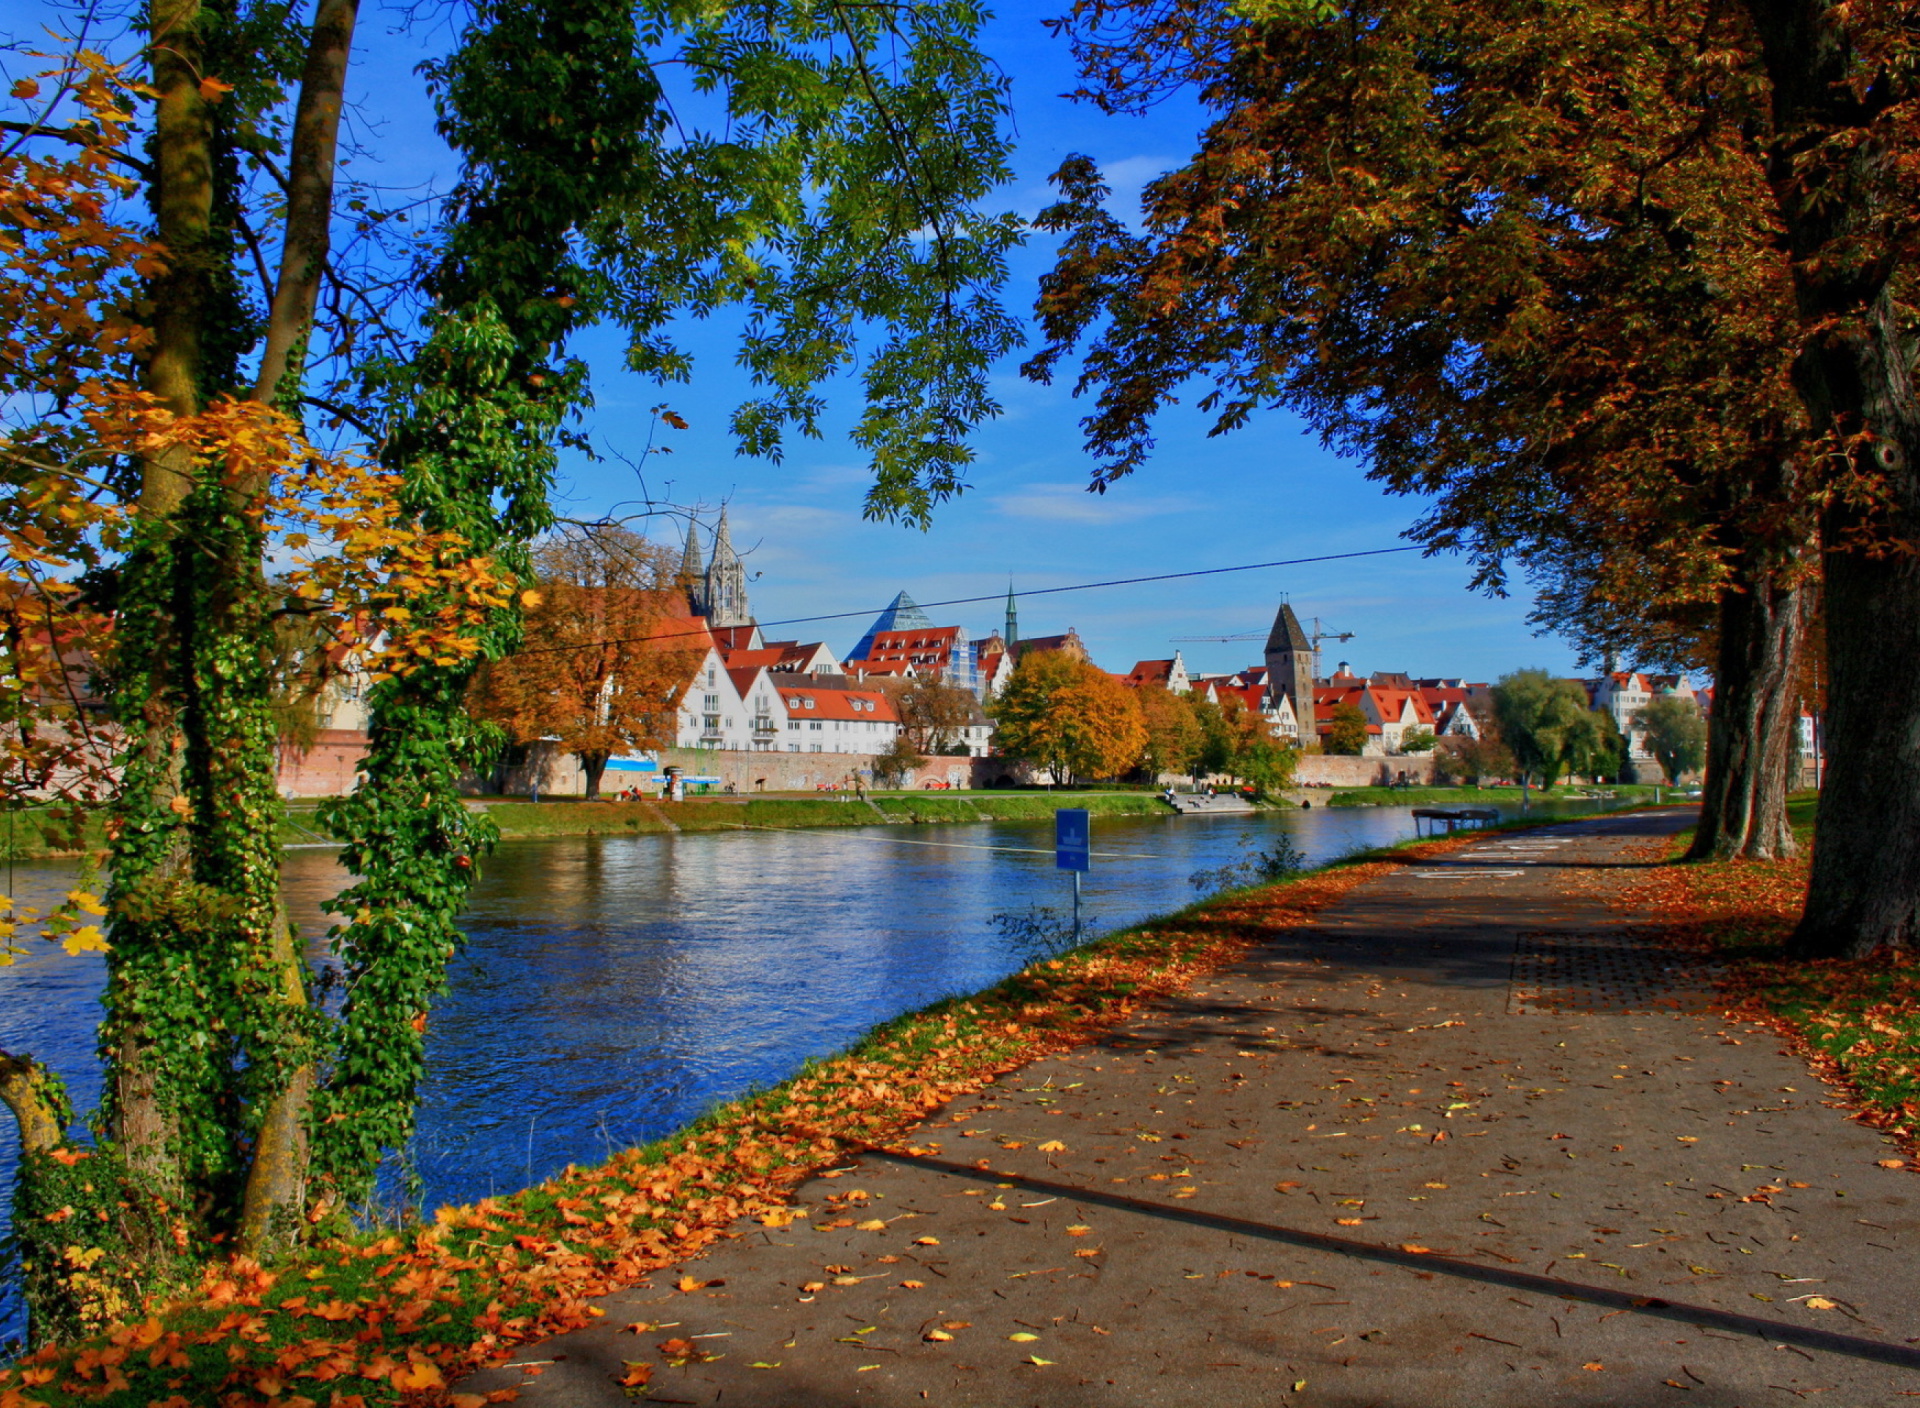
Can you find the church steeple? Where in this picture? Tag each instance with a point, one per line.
(693, 577)
(1013, 620)
(726, 593)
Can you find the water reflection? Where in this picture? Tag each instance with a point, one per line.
(615, 987)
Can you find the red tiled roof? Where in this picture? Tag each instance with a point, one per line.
(866, 705)
(928, 645)
(1148, 672)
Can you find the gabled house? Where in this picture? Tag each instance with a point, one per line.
(1170, 675)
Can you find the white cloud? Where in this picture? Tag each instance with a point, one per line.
(1071, 503)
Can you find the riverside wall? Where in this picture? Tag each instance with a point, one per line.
(1333, 770)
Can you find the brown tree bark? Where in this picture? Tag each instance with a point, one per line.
(1830, 169)
(182, 195)
(277, 1178)
(23, 1087)
(303, 252)
(1752, 743)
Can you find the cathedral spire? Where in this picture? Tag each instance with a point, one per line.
(726, 589)
(693, 577)
(1013, 619)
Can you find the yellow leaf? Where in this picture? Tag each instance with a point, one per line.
(1821, 1303)
(1053, 1146)
(873, 1224)
(80, 899)
(212, 90)
(419, 1374)
(1022, 1337)
(86, 940)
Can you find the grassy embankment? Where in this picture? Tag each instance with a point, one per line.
(1477, 796)
(389, 1316)
(1857, 1022)
(34, 836)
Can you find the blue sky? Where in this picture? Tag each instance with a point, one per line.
(1265, 493)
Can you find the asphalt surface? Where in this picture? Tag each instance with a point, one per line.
(1464, 1141)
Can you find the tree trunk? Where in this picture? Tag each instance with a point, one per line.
(27, 1088)
(593, 766)
(303, 253)
(277, 1179)
(1832, 177)
(1752, 739)
(1864, 893)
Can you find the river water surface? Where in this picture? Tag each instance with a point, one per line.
(615, 987)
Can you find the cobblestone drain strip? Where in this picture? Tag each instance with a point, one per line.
(1556, 973)
(1700, 1316)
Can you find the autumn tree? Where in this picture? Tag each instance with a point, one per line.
(1472, 760)
(843, 204)
(1069, 717)
(1173, 735)
(598, 675)
(934, 716)
(1346, 731)
(1676, 734)
(1555, 309)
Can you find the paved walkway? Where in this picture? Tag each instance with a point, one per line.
(1461, 1142)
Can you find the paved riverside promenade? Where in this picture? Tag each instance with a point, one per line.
(1463, 1141)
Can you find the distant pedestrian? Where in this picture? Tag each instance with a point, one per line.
(533, 790)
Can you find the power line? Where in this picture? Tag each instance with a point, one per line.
(996, 596)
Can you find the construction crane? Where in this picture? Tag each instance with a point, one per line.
(1316, 635)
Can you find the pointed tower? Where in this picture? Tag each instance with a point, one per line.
(726, 592)
(1013, 623)
(693, 578)
(1290, 669)
(903, 613)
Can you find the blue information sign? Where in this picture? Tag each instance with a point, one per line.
(1072, 838)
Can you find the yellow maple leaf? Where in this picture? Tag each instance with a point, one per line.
(86, 940)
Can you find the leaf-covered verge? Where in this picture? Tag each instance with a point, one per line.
(392, 1317)
(1857, 1022)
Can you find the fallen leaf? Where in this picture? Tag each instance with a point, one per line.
(1893, 1163)
(926, 1241)
(1079, 1229)
(1820, 1303)
(873, 1224)
(937, 1336)
(638, 1374)
(1053, 1146)
(914, 1285)
(1593, 1365)
(1350, 1221)
(1022, 1337)
(687, 1283)
(1415, 1248)
(421, 1373)
(1036, 1359)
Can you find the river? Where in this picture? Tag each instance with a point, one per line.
(614, 987)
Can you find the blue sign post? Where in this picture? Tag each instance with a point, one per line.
(1072, 845)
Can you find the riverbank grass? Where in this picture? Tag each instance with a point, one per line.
(385, 1317)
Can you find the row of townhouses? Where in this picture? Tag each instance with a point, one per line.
(750, 694)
